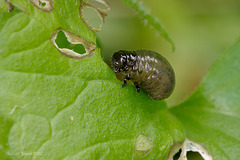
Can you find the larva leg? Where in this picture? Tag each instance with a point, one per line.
(124, 83)
(137, 86)
(125, 80)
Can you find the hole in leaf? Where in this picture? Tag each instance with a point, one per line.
(190, 150)
(62, 42)
(92, 17)
(42, 4)
(45, 5)
(100, 4)
(194, 156)
(177, 155)
(93, 13)
(72, 45)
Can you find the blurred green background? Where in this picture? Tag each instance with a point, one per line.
(201, 31)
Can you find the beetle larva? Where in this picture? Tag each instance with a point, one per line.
(147, 69)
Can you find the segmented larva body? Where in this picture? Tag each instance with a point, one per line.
(147, 69)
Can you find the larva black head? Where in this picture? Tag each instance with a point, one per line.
(122, 60)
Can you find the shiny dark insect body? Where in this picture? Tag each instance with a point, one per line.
(147, 69)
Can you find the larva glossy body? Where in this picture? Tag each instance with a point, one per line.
(147, 69)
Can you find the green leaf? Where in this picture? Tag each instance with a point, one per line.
(138, 6)
(211, 115)
(55, 107)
